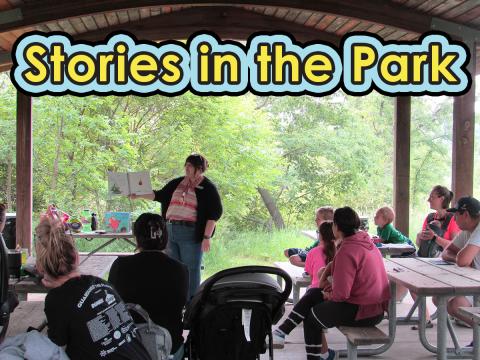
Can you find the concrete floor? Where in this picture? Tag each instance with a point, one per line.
(407, 345)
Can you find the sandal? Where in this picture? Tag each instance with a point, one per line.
(428, 325)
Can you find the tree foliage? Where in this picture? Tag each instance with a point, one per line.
(303, 151)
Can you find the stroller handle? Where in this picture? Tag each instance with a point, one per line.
(245, 270)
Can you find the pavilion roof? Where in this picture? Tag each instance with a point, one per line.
(326, 20)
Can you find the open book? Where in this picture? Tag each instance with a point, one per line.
(129, 183)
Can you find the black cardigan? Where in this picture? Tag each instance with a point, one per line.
(209, 205)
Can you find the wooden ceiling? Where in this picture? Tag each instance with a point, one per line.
(307, 20)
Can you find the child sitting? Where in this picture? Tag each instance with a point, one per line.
(317, 259)
(298, 256)
(387, 234)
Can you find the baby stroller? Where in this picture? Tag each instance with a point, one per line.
(232, 313)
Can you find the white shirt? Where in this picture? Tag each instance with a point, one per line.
(465, 238)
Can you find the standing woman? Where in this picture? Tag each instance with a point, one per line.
(84, 313)
(192, 206)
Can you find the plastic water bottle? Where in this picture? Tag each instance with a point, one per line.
(94, 223)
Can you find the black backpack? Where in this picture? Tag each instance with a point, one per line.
(429, 248)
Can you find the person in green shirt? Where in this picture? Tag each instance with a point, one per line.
(386, 231)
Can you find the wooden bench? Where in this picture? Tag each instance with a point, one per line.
(362, 336)
(474, 314)
(298, 279)
(26, 314)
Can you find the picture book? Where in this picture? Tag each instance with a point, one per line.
(129, 183)
(117, 222)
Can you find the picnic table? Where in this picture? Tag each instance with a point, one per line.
(435, 277)
(385, 249)
(26, 314)
(299, 279)
(109, 237)
(93, 265)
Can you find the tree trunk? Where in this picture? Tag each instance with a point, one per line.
(272, 208)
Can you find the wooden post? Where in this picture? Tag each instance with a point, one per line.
(463, 136)
(24, 170)
(401, 171)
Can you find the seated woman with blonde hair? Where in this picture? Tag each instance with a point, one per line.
(84, 313)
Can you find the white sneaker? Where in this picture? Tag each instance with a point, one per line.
(278, 340)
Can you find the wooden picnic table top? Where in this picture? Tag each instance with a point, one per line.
(295, 272)
(26, 314)
(105, 235)
(430, 277)
(94, 265)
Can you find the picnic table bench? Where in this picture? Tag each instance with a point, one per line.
(298, 279)
(356, 336)
(26, 314)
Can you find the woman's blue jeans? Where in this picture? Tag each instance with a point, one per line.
(183, 247)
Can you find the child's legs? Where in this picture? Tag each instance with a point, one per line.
(299, 258)
(291, 252)
(312, 297)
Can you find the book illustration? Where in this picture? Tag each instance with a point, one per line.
(129, 183)
(117, 222)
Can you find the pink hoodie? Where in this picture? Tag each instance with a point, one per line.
(359, 276)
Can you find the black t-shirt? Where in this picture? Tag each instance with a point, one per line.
(87, 315)
(157, 283)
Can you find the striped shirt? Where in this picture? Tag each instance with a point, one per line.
(183, 205)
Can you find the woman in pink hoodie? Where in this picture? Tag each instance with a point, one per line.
(357, 293)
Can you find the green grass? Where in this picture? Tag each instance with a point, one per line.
(228, 248)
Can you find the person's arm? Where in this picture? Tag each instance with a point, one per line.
(207, 235)
(57, 319)
(385, 234)
(327, 271)
(145, 196)
(450, 252)
(466, 255)
(421, 235)
(344, 278)
(113, 274)
(215, 210)
(442, 241)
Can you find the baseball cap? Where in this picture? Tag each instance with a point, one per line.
(467, 203)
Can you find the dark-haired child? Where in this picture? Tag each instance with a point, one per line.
(154, 280)
(317, 260)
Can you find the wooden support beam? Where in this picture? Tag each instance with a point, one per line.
(401, 171)
(24, 170)
(376, 11)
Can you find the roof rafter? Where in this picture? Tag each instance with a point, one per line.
(377, 11)
(227, 22)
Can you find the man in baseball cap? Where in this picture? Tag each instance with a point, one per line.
(464, 249)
